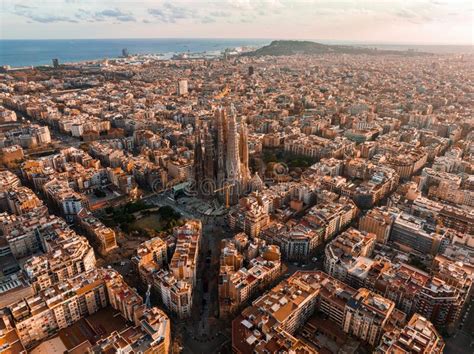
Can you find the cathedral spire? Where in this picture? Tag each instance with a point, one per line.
(232, 158)
(220, 148)
(198, 159)
(244, 151)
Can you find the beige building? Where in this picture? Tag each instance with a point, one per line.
(418, 336)
(151, 256)
(238, 284)
(68, 255)
(344, 254)
(177, 295)
(250, 215)
(176, 285)
(272, 320)
(38, 317)
(379, 221)
(367, 314)
(100, 235)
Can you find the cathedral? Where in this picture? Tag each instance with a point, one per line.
(221, 156)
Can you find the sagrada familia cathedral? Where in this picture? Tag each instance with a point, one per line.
(221, 156)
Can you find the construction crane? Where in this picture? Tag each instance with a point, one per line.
(226, 188)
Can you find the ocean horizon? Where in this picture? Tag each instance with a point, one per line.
(26, 52)
(29, 52)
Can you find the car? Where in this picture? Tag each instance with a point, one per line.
(314, 259)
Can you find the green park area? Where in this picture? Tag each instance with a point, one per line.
(291, 160)
(141, 218)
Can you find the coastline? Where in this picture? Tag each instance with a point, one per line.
(37, 53)
(22, 53)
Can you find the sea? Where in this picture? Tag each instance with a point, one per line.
(18, 53)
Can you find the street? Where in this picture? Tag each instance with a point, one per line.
(204, 332)
(462, 341)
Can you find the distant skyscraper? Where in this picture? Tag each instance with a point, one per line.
(125, 53)
(182, 87)
(55, 63)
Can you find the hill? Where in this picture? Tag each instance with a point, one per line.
(280, 48)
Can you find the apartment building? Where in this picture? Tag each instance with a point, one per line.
(177, 295)
(417, 336)
(455, 273)
(9, 337)
(151, 256)
(176, 285)
(415, 291)
(347, 255)
(66, 255)
(272, 320)
(102, 237)
(11, 155)
(65, 199)
(407, 161)
(379, 221)
(8, 181)
(40, 316)
(457, 218)
(149, 334)
(21, 200)
(237, 283)
(333, 217)
(412, 233)
(317, 147)
(23, 232)
(367, 314)
(250, 215)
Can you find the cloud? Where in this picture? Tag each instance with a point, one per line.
(405, 14)
(220, 13)
(247, 20)
(353, 18)
(417, 17)
(106, 15)
(36, 15)
(114, 14)
(110, 13)
(51, 18)
(170, 13)
(21, 6)
(32, 15)
(208, 19)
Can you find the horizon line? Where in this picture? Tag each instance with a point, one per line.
(341, 41)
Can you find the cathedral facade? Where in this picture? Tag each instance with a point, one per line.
(221, 156)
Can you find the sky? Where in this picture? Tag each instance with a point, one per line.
(364, 21)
